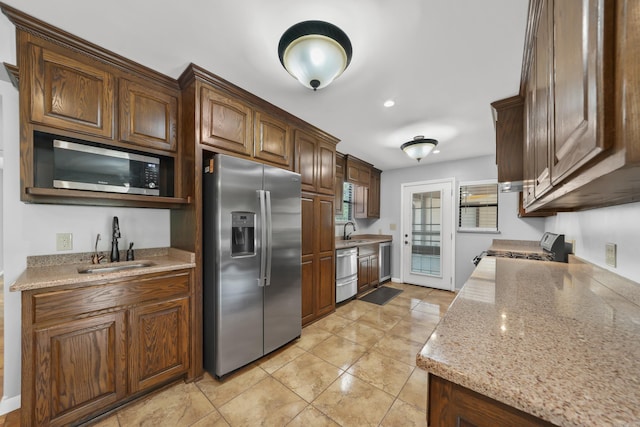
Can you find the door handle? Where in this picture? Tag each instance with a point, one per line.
(263, 238)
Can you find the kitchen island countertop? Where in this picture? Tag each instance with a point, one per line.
(54, 270)
(558, 341)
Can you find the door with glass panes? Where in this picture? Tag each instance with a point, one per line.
(427, 234)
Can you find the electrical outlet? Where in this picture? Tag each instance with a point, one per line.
(64, 241)
(610, 257)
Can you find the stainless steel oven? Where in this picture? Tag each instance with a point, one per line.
(346, 273)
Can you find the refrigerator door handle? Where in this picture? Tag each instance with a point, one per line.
(269, 238)
(263, 237)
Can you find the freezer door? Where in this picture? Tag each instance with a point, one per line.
(232, 292)
(283, 299)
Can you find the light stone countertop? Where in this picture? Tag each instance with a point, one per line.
(559, 341)
(521, 246)
(362, 239)
(57, 270)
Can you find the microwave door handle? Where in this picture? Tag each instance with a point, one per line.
(263, 238)
(269, 236)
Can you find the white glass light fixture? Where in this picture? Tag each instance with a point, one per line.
(419, 148)
(314, 52)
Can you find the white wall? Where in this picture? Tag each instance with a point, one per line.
(30, 229)
(467, 244)
(592, 229)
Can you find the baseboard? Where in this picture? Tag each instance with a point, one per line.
(9, 404)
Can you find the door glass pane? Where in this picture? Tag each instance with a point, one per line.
(426, 234)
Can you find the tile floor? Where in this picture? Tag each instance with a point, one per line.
(355, 367)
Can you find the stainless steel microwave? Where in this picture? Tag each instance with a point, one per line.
(85, 167)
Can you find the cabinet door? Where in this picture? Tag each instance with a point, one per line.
(272, 140)
(159, 343)
(361, 194)
(326, 290)
(81, 367)
(306, 160)
(308, 289)
(309, 268)
(71, 94)
(148, 115)
(326, 224)
(541, 69)
(225, 123)
(373, 202)
(326, 168)
(374, 271)
(579, 70)
(363, 273)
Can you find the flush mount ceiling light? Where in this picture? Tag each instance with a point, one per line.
(314, 52)
(419, 148)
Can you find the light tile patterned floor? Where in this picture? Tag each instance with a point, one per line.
(355, 367)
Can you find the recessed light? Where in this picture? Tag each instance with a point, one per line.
(389, 103)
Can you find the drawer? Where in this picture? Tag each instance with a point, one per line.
(77, 301)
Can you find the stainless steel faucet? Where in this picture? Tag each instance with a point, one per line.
(346, 236)
(115, 253)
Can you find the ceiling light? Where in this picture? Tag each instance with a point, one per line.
(435, 151)
(314, 52)
(389, 103)
(419, 147)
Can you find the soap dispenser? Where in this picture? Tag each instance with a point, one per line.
(130, 256)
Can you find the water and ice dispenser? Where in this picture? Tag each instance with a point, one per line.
(242, 233)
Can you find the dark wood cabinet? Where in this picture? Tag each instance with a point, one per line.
(339, 184)
(368, 267)
(580, 83)
(272, 140)
(366, 191)
(452, 405)
(159, 348)
(88, 348)
(73, 90)
(318, 255)
(74, 93)
(148, 115)
(315, 161)
(373, 200)
(580, 36)
(508, 119)
(81, 368)
(226, 123)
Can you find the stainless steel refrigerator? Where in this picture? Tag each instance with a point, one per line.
(252, 262)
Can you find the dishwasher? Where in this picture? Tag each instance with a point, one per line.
(346, 273)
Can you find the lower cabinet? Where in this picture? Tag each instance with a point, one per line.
(318, 257)
(452, 405)
(86, 349)
(368, 267)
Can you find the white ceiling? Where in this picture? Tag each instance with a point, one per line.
(442, 61)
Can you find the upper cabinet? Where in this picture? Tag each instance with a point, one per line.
(75, 91)
(70, 93)
(272, 140)
(225, 122)
(580, 84)
(366, 180)
(315, 161)
(232, 121)
(148, 115)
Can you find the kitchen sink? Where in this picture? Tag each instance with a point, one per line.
(114, 268)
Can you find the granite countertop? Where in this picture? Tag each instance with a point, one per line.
(57, 270)
(361, 239)
(559, 341)
(520, 246)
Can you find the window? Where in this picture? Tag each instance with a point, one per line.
(478, 206)
(347, 203)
